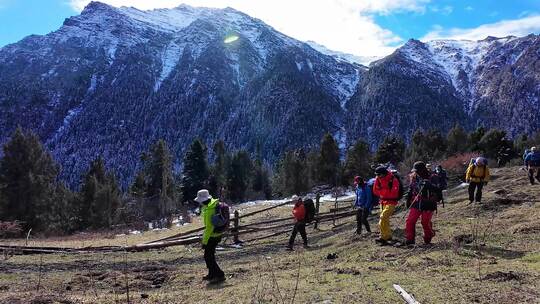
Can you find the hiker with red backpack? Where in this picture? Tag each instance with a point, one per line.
(532, 163)
(300, 217)
(363, 204)
(215, 216)
(389, 189)
(422, 199)
(477, 176)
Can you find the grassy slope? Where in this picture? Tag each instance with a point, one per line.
(502, 264)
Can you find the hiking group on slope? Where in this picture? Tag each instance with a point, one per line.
(424, 193)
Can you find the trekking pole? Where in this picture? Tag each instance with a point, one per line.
(414, 201)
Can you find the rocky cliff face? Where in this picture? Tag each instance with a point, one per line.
(113, 80)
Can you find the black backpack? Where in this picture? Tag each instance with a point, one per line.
(401, 192)
(310, 210)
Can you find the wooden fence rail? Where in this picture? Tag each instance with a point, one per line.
(281, 226)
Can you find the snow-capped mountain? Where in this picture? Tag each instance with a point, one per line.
(113, 80)
(493, 82)
(354, 59)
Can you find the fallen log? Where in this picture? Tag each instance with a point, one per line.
(406, 296)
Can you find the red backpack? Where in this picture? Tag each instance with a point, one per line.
(299, 212)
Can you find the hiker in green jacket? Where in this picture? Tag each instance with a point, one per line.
(210, 238)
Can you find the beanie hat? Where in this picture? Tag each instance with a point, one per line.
(419, 166)
(381, 170)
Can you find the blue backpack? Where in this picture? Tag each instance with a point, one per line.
(534, 159)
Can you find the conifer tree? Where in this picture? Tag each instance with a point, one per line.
(328, 167)
(158, 171)
(358, 161)
(195, 174)
(28, 175)
(238, 175)
(457, 140)
(391, 150)
(475, 137)
(219, 169)
(99, 197)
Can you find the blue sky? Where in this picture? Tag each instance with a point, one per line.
(360, 27)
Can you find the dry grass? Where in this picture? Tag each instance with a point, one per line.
(481, 254)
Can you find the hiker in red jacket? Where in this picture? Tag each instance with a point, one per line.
(422, 198)
(299, 213)
(386, 187)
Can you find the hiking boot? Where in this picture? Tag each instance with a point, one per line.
(217, 280)
(358, 231)
(409, 243)
(306, 246)
(382, 242)
(470, 202)
(206, 277)
(289, 248)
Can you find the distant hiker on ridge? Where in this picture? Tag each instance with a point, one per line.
(300, 216)
(363, 204)
(387, 188)
(211, 237)
(477, 176)
(532, 163)
(422, 200)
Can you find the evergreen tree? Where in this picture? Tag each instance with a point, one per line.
(292, 171)
(391, 150)
(195, 174)
(358, 161)
(426, 146)
(29, 178)
(457, 140)
(328, 167)
(158, 171)
(238, 176)
(139, 187)
(99, 198)
(495, 145)
(218, 170)
(475, 137)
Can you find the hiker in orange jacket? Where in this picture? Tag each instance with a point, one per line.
(386, 187)
(299, 214)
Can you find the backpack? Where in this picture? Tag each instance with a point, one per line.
(534, 159)
(310, 210)
(374, 199)
(401, 191)
(221, 219)
(443, 179)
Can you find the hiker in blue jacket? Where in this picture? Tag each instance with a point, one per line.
(363, 204)
(532, 162)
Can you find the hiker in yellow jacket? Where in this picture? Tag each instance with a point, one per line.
(210, 238)
(477, 176)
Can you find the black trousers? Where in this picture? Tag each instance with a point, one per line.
(210, 258)
(361, 219)
(531, 174)
(478, 187)
(298, 227)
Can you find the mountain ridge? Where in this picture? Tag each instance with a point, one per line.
(111, 81)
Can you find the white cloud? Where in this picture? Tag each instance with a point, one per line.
(516, 27)
(469, 8)
(343, 25)
(445, 10)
